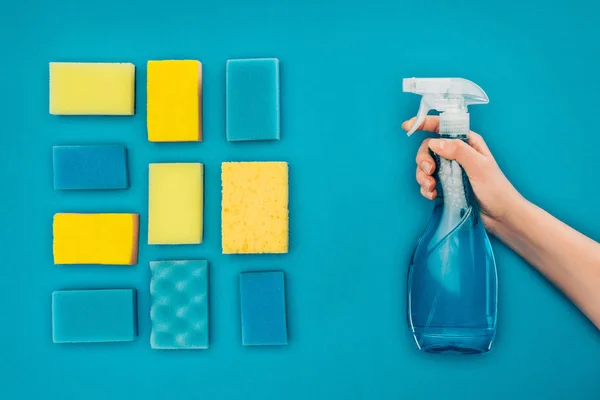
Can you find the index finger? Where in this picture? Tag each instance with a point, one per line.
(431, 124)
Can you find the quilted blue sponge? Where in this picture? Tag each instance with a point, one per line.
(179, 304)
(262, 300)
(90, 167)
(107, 315)
(253, 99)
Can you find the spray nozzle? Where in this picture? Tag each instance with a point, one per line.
(450, 96)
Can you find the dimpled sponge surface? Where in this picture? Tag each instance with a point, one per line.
(175, 203)
(179, 304)
(109, 239)
(254, 207)
(92, 88)
(90, 167)
(174, 101)
(105, 315)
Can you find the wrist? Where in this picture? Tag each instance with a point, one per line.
(515, 212)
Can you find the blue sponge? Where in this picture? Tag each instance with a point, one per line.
(107, 315)
(179, 309)
(90, 167)
(262, 298)
(253, 99)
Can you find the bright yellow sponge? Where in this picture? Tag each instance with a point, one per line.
(175, 203)
(255, 207)
(109, 239)
(174, 101)
(92, 88)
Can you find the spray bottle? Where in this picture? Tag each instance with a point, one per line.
(452, 279)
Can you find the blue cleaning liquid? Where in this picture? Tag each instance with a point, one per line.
(452, 280)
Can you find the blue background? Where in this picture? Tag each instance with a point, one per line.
(355, 208)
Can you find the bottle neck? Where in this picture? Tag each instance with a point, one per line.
(454, 123)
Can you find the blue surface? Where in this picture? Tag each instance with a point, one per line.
(252, 99)
(179, 304)
(355, 209)
(81, 316)
(90, 167)
(262, 308)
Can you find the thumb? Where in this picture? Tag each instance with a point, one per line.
(461, 152)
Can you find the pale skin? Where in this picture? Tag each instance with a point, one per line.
(566, 257)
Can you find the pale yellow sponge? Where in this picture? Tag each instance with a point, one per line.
(175, 203)
(254, 214)
(174, 101)
(109, 239)
(92, 88)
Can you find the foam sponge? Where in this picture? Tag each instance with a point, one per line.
(254, 207)
(175, 203)
(174, 101)
(108, 239)
(253, 99)
(92, 88)
(262, 301)
(179, 309)
(106, 315)
(90, 167)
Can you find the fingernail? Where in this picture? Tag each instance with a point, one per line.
(441, 143)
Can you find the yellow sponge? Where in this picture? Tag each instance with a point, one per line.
(174, 101)
(92, 88)
(175, 203)
(255, 207)
(109, 239)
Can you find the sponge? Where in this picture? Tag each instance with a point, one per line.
(262, 301)
(108, 239)
(179, 304)
(174, 101)
(90, 167)
(175, 203)
(105, 315)
(253, 99)
(92, 88)
(254, 207)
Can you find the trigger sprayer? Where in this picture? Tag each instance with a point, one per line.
(452, 279)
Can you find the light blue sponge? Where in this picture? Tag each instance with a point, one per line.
(90, 167)
(107, 315)
(179, 309)
(253, 99)
(262, 299)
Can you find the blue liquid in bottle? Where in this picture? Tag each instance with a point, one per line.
(452, 279)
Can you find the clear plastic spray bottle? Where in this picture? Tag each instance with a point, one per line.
(452, 279)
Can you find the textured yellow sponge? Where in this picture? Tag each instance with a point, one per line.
(174, 101)
(255, 207)
(109, 239)
(92, 88)
(175, 203)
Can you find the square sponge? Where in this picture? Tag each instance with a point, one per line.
(179, 304)
(254, 209)
(108, 239)
(253, 99)
(82, 316)
(92, 88)
(263, 311)
(175, 203)
(174, 101)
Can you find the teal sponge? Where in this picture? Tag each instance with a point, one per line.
(179, 304)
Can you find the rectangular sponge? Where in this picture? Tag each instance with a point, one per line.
(254, 214)
(253, 99)
(83, 316)
(262, 298)
(175, 203)
(92, 88)
(179, 304)
(107, 239)
(174, 101)
(90, 167)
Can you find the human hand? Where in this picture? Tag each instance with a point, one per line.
(495, 194)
